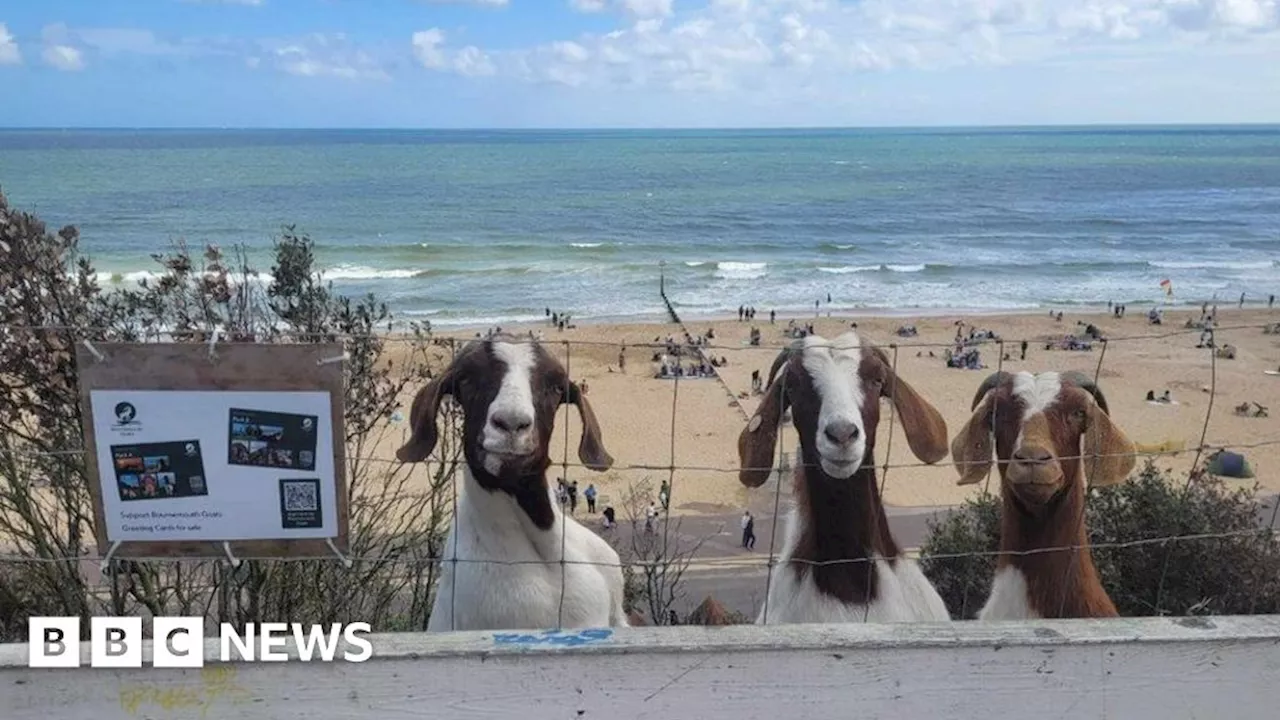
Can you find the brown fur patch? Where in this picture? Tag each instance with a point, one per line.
(1044, 509)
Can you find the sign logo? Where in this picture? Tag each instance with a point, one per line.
(126, 419)
(125, 413)
(178, 642)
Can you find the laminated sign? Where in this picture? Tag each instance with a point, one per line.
(215, 450)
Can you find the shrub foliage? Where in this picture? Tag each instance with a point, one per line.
(1149, 543)
(51, 301)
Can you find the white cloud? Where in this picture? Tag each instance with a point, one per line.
(428, 48)
(636, 9)
(9, 52)
(430, 51)
(1223, 15)
(570, 51)
(793, 52)
(784, 54)
(63, 57)
(321, 55)
(111, 41)
(472, 61)
(648, 8)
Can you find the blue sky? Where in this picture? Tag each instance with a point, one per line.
(636, 63)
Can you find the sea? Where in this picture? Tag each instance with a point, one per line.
(479, 227)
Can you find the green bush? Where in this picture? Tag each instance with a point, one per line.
(1142, 571)
(956, 556)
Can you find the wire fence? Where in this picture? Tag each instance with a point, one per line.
(670, 557)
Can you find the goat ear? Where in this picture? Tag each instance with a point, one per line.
(972, 448)
(591, 448)
(1108, 454)
(759, 438)
(422, 419)
(925, 428)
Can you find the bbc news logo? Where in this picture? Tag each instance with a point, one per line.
(178, 642)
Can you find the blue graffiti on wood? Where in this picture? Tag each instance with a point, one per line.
(559, 638)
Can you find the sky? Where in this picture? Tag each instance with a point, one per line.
(636, 63)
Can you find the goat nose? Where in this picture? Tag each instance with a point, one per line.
(511, 421)
(841, 432)
(1032, 455)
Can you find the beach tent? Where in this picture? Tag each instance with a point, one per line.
(1229, 464)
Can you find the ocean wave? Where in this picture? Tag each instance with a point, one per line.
(846, 269)
(741, 270)
(905, 268)
(586, 245)
(1211, 265)
(132, 278)
(360, 272)
(694, 263)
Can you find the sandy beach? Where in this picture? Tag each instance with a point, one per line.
(640, 414)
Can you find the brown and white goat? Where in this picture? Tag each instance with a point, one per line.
(509, 392)
(840, 562)
(1051, 431)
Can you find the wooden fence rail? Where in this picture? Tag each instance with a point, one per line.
(1131, 669)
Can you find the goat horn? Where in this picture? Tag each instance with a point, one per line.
(1086, 383)
(992, 380)
(778, 362)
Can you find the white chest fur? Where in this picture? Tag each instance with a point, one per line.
(521, 589)
(903, 593)
(1008, 599)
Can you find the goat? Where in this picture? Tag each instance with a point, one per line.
(1051, 431)
(840, 562)
(509, 392)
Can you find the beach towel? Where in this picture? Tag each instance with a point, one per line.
(1229, 464)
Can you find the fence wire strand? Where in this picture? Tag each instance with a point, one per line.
(781, 468)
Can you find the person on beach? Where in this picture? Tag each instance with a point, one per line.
(590, 495)
(773, 314)
(1024, 349)
(573, 498)
(664, 495)
(748, 530)
(609, 521)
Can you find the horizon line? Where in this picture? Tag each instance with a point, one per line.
(622, 128)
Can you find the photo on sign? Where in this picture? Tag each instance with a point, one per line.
(158, 471)
(260, 438)
(300, 503)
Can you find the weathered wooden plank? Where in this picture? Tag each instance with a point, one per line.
(1129, 668)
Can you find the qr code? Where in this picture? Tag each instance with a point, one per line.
(301, 497)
